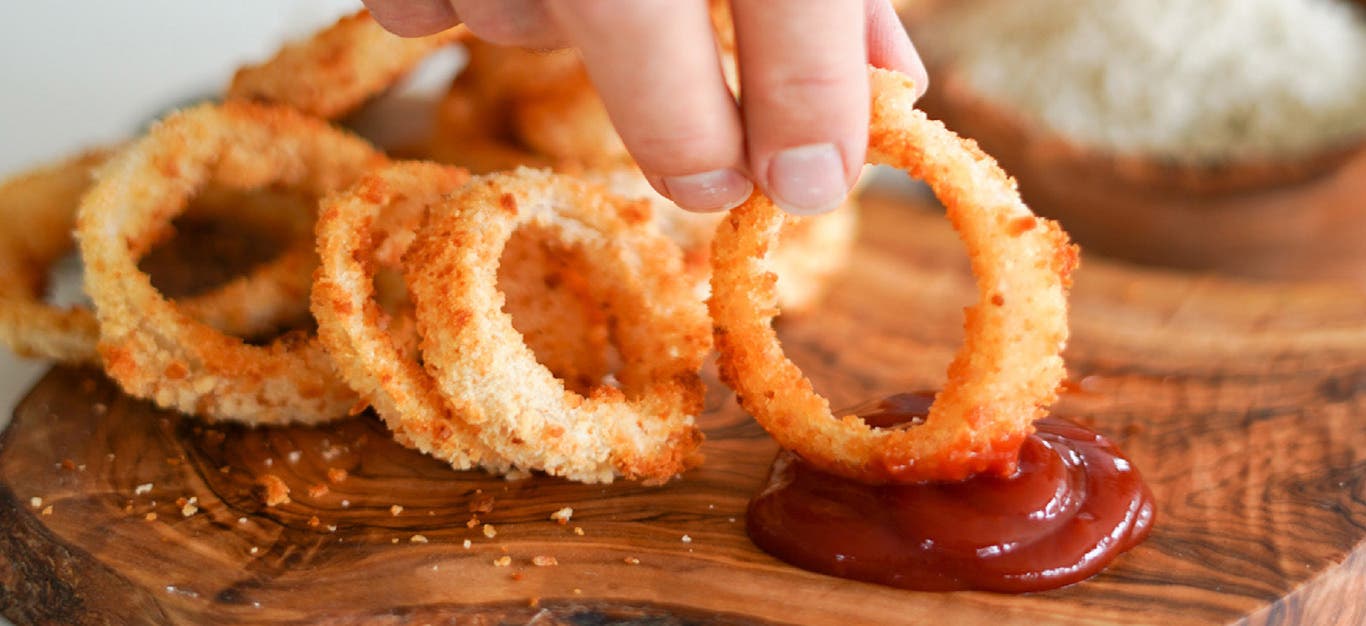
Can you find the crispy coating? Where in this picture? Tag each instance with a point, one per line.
(38, 211)
(356, 330)
(151, 346)
(370, 226)
(1003, 378)
(337, 69)
(644, 430)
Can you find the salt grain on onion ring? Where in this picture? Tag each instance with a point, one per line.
(490, 377)
(1003, 378)
(154, 348)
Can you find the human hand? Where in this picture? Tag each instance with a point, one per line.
(800, 130)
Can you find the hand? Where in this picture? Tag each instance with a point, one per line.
(800, 130)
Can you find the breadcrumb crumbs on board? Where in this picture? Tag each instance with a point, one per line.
(490, 531)
(417, 539)
(47, 510)
(542, 560)
(142, 489)
(336, 475)
(277, 492)
(189, 509)
(35, 502)
(395, 510)
(578, 530)
(563, 515)
(314, 522)
(151, 517)
(687, 539)
(482, 504)
(317, 491)
(295, 456)
(255, 549)
(502, 561)
(630, 560)
(468, 544)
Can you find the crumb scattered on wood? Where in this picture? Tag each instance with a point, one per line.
(417, 539)
(562, 516)
(502, 561)
(317, 491)
(482, 504)
(542, 560)
(490, 531)
(336, 475)
(395, 510)
(277, 492)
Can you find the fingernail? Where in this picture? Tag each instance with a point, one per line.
(717, 190)
(807, 180)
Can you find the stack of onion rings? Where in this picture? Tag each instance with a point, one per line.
(153, 348)
(489, 377)
(1002, 379)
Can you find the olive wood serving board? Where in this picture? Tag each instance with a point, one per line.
(1243, 404)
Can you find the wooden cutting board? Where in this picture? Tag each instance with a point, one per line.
(1244, 406)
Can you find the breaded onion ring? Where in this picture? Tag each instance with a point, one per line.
(370, 226)
(355, 329)
(1009, 367)
(37, 215)
(152, 347)
(490, 377)
(339, 68)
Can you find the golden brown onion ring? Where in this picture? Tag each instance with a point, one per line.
(152, 347)
(1003, 378)
(337, 69)
(488, 375)
(37, 215)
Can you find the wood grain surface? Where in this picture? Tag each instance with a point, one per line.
(1242, 403)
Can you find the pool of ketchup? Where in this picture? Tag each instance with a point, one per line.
(1073, 504)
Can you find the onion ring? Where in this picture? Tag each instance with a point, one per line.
(152, 347)
(490, 377)
(370, 226)
(39, 210)
(339, 68)
(1009, 367)
(353, 326)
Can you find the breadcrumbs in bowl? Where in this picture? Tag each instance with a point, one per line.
(1156, 134)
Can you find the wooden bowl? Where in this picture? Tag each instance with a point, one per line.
(1297, 219)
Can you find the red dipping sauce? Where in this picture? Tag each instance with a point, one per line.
(1073, 505)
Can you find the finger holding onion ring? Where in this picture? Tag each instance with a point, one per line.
(1002, 379)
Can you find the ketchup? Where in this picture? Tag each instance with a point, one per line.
(1072, 506)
